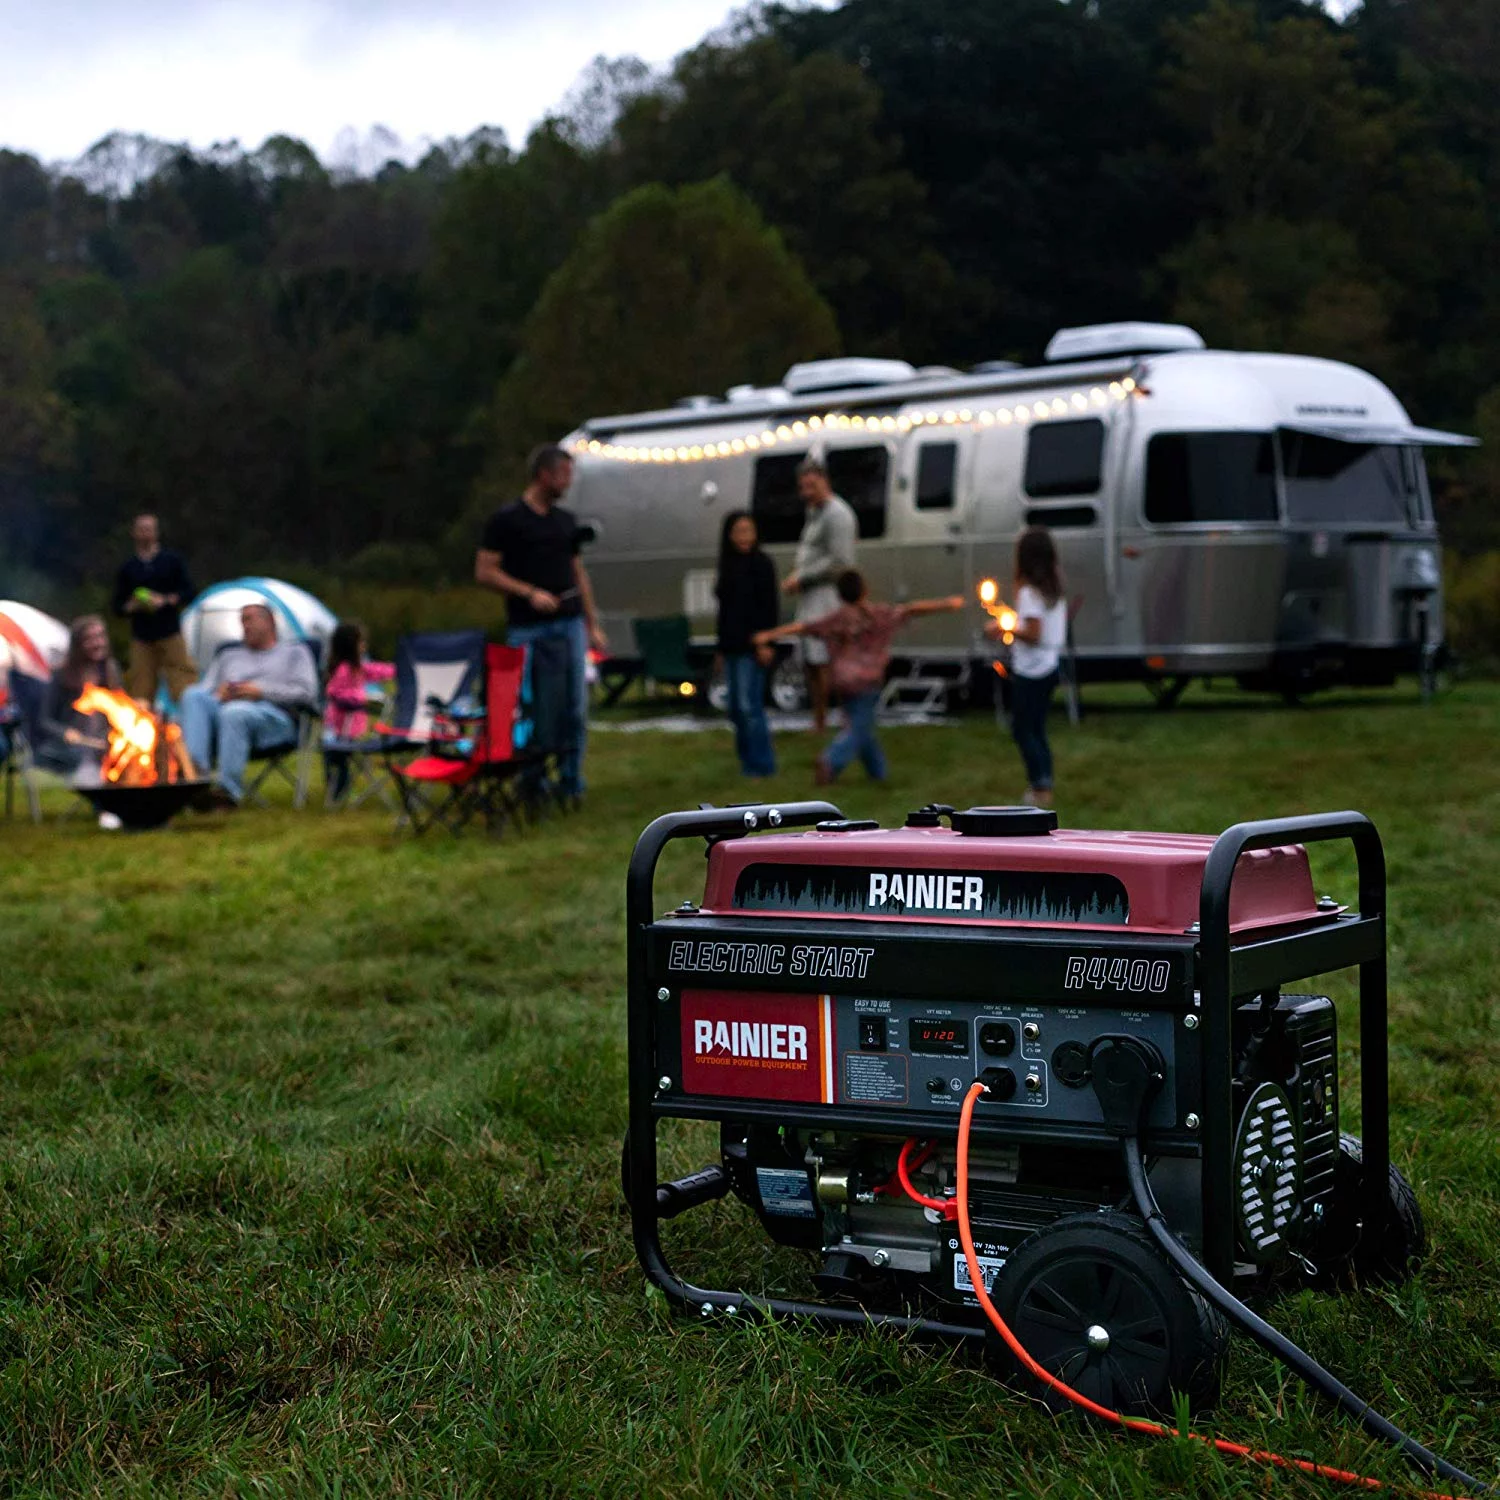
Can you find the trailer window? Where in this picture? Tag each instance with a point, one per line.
(1329, 481)
(936, 466)
(858, 474)
(1063, 458)
(774, 500)
(1210, 476)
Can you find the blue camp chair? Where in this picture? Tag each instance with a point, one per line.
(435, 669)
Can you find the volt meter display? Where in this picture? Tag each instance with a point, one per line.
(940, 1035)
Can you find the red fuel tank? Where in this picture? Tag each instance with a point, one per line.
(1070, 878)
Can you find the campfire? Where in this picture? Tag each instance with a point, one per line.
(143, 749)
(146, 774)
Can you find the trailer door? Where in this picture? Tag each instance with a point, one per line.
(932, 509)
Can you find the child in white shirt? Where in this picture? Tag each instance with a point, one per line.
(1041, 632)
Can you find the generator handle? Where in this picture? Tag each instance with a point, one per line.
(1215, 958)
(710, 823)
(713, 823)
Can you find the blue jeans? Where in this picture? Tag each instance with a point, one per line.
(858, 737)
(572, 729)
(746, 681)
(238, 728)
(1029, 699)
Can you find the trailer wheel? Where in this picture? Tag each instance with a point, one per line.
(1343, 1252)
(788, 688)
(1095, 1302)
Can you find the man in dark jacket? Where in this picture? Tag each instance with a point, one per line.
(152, 589)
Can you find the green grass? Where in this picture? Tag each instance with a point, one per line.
(310, 1148)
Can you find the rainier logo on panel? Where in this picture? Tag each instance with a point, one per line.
(756, 1046)
(752, 1040)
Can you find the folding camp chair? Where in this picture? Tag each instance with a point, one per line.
(290, 761)
(473, 760)
(662, 645)
(435, 670)
(19, 716)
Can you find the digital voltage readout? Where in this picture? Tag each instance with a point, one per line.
(940, 1035)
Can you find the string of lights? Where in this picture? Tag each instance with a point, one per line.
(1076, 403)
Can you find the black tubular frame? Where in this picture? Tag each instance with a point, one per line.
(1223, 973)
(709, 823)
(1227, 972)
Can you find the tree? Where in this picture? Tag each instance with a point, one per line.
(1333, 224)
(36, 435)
(1035, 131)
(669, 291)
(804, 139)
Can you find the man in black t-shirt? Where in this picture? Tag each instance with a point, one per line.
(529, 553)
(152, 589)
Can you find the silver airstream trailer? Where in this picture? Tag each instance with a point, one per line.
(1261, 516)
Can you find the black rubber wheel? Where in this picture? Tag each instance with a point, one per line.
(1343, 1252)
(1094, 1302)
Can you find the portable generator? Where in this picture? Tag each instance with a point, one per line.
(1066, 1065)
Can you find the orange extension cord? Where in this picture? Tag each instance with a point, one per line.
(959, 1208)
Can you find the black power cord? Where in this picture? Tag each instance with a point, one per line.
(1126, 1073)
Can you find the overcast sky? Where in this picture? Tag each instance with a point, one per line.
(214, 70)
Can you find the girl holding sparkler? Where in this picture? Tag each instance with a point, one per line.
(1039, 633)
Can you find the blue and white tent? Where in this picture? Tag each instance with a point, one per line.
(213, 618)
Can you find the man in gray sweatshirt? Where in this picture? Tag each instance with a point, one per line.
(824, 550)
(247, 701)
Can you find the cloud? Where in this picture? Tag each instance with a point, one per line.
(183, 70)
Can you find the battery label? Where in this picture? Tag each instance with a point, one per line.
(989, 1266)
(785, 1192)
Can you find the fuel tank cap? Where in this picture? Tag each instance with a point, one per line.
(1004, 822)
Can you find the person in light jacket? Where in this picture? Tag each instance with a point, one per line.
(246, 701)
(824, 551)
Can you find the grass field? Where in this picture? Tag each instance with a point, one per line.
(310, 1148)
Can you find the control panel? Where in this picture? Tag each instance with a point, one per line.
(912, 1054)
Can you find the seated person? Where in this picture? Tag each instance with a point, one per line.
(247, 701)
(70, 743)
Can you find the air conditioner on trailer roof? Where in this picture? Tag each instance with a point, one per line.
(1105, 340)
(841, 374)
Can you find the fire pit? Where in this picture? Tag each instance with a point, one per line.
(146, 776)
(140, 807)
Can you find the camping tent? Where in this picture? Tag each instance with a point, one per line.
(31, 642)
(213, 618)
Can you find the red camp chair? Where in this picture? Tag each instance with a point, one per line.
(471, 766)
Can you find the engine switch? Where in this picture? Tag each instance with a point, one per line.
(872, 1034)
